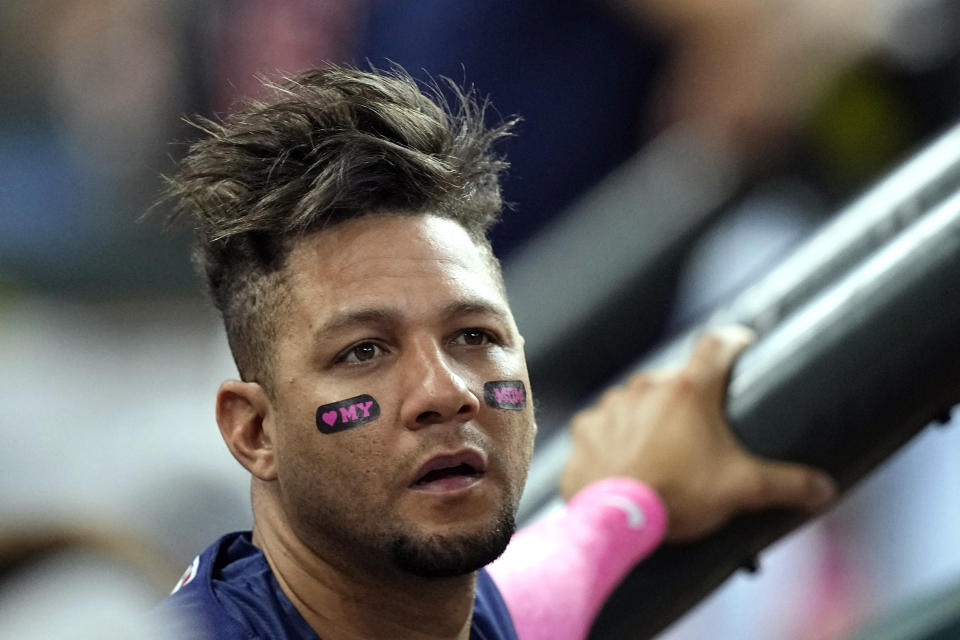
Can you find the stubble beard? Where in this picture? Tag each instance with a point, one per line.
(403, 546)
(445, 556)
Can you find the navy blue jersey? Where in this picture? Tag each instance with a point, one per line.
(230, 593)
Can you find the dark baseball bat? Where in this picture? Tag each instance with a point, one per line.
(840, 383)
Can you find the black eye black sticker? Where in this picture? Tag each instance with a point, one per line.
(505, 394)
(346, 414)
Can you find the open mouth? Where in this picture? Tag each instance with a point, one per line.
(450, 472)
(461, 470)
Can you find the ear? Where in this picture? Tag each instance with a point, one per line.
(245, 417)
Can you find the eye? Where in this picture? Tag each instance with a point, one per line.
(473, 337)
(361, 352)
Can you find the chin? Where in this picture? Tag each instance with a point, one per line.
(454, 553)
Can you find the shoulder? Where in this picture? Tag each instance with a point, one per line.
(229, 593)
(193, 607)
(491, 619)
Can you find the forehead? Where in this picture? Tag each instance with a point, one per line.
(385, 259)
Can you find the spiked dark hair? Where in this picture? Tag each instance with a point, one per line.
(326, 146)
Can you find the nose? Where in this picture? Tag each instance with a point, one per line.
(436, 392)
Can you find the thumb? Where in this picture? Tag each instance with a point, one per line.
(782, 484)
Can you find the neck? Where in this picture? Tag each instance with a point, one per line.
(343, 597)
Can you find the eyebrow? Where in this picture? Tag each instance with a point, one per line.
(348, 319)
(387, 316)
(472, 307)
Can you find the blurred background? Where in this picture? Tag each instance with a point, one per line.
(747, 123)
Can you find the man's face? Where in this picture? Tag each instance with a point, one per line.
(406, 310)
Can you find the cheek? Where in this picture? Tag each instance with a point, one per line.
(527, 438)
(516, 436)
(334, 476)
(340, 463)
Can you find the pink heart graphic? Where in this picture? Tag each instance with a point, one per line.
(329, 417)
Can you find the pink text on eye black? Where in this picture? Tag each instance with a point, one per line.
(346, 414)
(505, 394)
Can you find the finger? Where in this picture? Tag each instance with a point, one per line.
(640, 381)
(781, 484)
(714, 354)
(718, 347)
(646, 380)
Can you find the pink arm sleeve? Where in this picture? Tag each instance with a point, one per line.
(557, 573)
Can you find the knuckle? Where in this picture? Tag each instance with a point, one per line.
(577, 424)
(760, 490)
(640, 381)
(758, 493)
(683, 385)
(610, 396)
(581, 423)
(710, 341)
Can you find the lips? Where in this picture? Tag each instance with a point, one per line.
(449, 472)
